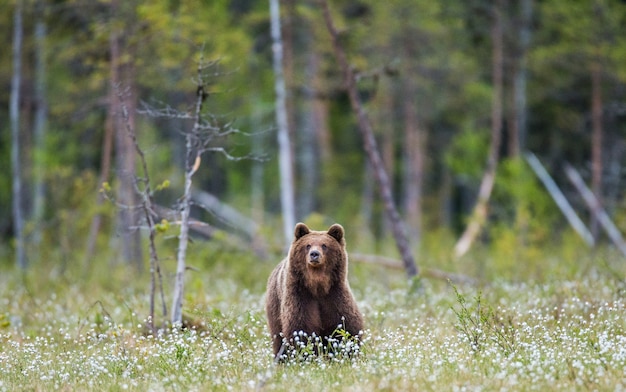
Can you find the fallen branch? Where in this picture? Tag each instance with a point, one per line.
(208, 231)
(232, 218)
(224, 212)
(560, 200)
(596, 208)
(391, 263)
(173, 216)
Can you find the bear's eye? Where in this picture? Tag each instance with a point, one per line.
(308, 247)
(324, 247)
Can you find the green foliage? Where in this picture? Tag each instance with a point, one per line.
(438, 51)
(525, 214)
(479, 324)
(467, 153)
(4, 321)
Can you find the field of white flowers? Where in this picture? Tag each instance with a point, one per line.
(562, 335)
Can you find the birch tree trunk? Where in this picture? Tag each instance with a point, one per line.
(192, 162)
(517, 140)
(14, 114)
(479, 214)
(371, 148)
(41, 119)
(285, 158)
(414, 147)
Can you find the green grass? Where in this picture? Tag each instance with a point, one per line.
(60, 334)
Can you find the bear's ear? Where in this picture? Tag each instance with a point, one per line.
(301, 230)
(336, 231)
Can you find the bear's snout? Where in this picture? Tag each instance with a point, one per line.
(314, 256)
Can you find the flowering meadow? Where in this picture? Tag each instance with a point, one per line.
(561, 335)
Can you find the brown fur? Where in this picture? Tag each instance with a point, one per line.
(309, 291)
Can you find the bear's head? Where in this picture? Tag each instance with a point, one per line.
(318, 259)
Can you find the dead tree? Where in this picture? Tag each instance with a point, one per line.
(371, 148)
(143, 188)
(201, 138)
(14, 109)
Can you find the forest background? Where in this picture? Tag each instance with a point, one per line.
(466, 101)
(425, 74)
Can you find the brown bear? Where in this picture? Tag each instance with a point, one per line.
(309, 291)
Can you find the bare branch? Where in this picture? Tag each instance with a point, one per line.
(149, 213)
(395, 264)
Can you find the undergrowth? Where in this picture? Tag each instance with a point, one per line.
(340, 347)
(481, 325)
(58, 332)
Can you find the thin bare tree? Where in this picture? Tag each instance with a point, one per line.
(14, 114)
(285, 158)
(143, 188)
(192, 163)
(41, 119)
(201, 138)
(371, 148)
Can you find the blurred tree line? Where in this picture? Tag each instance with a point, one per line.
(425, 72)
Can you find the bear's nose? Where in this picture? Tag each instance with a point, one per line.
(315, 255)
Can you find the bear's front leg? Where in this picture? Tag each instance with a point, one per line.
(348, 312)
(303, 316)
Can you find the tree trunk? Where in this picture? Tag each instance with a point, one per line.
(517, 139)
(284, 144)
(479, 215)
(128, 218)
(596, 141)
(371, 149)
(192, 162)
(195, 144)
(414, 146)
(41, 119)
(14, 109)
(145, 192)
(183, 240)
